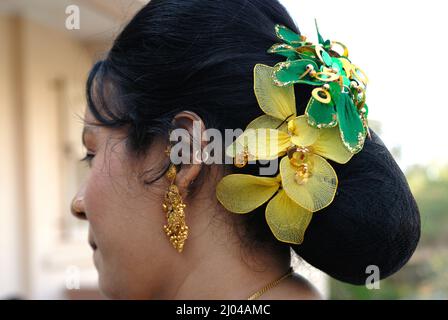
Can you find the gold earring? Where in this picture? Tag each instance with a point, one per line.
(176, 228)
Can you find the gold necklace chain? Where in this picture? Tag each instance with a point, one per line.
(271, 285)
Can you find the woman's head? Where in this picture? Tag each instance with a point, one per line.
(198, 56)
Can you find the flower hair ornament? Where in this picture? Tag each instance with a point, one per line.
(334, 127)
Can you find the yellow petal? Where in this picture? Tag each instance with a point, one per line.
(242, 193)
(278, 102)
(288, 221)
(261, 144)
(248, 139)
(329, 145)
(318, 191)
(302, 134)
(268, 122)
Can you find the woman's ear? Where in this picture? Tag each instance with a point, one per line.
(190, 122)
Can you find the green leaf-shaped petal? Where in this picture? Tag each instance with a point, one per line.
(287, 35)
(321, 115)
(337, 64)
(367, 110)
(352, 130)
(326, 58)
(336, 94)
(289, 72)
(325, 43)
(284, 50)
(319, 36)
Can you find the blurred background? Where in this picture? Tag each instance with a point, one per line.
(43, 68)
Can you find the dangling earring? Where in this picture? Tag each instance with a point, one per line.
(175, 229)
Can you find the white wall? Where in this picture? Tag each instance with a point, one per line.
(34, 197)
(50, 55)
(9, 194)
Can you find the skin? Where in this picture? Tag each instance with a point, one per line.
(132, 254)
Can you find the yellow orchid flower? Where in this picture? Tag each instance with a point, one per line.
(240, 193)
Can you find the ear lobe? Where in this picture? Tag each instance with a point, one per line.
(186, 176)
(188, 172)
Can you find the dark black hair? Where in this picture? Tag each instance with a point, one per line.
(199, 55)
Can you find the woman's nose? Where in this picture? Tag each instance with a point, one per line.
(77, 208)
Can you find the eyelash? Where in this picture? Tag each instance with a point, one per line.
(88, 158)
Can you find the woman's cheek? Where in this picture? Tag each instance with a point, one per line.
(99, 208)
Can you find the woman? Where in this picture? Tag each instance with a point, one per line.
(186, 64)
